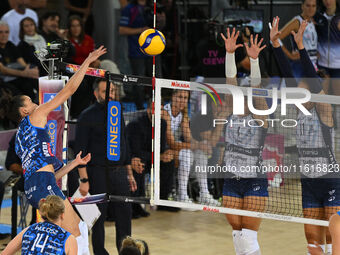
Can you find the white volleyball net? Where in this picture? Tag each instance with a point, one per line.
(269, 153)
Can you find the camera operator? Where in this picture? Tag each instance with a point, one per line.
(137, 17)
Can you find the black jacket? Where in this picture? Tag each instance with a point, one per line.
(91, 138)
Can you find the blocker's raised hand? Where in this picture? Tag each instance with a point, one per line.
(230, 41)
(274, 32)
(255, 47)
(298, 37)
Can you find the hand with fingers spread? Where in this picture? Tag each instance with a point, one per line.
(298, 37)
(94, 55)
(255, 47)
(275, 33)
(231, 40)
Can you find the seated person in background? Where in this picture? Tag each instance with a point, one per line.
(82, 42)
(49, 25)
(13, 66)
(56, 240)
(84, 10)
(180, 140)
(139, 134)
(30, 42)
(14, 16)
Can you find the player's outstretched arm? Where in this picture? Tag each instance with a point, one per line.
(15, 245)
(78, 161)
(231, 46)
(39, 116)
(281, 58)
(325, 110)
(253, 52)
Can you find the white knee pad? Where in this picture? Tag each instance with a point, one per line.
(185, 158)
(236, 240)
(249, 244)
(83, 239)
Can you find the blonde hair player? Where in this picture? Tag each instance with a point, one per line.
(47, 237)
(41, 168)
(246, 190)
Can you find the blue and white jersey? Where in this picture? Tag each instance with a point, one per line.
(176, 123)
(44, 238)
(328, 29)
(32, 145)
(243, 145)
(311, 144)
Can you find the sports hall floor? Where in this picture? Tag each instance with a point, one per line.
(199, 233)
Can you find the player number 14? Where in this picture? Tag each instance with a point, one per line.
(37, 242)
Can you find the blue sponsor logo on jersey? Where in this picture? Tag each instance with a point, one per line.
(113, 130)
(48, 97)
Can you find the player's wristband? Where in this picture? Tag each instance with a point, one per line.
(230, 65)
(255, 73)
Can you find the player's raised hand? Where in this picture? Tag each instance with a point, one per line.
(274, 32)
(298, 37)
(255, 47)
(231, 40)
(84, 160)
(94, 55)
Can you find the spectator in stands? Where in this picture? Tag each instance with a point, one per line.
(16, 74)
(14, 16)
(83, 43)
(101, 176)
(310, 36)
(139, 133)
(180, 140)
(327, 22)
(49, 24)
(30, 42)
(136, 17)
(84, 10)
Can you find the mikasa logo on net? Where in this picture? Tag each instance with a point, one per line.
(288, 97)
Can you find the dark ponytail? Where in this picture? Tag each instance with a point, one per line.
(11, 106)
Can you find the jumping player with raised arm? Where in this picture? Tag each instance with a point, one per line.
(246, 190)
(47, 237)
(41, 167)
(315, 143)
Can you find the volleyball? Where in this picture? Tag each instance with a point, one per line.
(152, 42)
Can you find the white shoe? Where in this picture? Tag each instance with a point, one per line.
(208, 199)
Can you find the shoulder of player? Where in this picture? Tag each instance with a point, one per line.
(71, 245)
